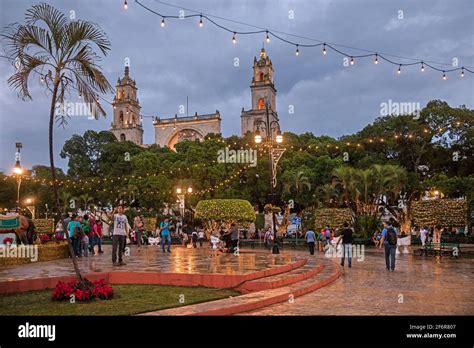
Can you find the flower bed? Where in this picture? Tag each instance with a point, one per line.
(97, 289)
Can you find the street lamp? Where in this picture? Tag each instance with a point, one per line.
(18, 171)
(274, 155)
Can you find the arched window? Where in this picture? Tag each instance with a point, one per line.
(121, 117)
(122, 137)
(261, 104)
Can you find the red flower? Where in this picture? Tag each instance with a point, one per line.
(63, 291)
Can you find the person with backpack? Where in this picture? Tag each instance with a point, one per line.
(75, 234)
(389, 241)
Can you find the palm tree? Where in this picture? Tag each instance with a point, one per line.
(346, 178)
(297, 184)
(62, 53)
(86, 200)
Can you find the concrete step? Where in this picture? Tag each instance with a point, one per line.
(283, 279)
(259, 299)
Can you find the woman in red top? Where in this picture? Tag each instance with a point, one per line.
(98, 234)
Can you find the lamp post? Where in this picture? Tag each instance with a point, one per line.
(181, 198)
(274, 155)
(18, 171)
(30, 205)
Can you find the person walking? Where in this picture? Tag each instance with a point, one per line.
(98, 235)
(200, 237)
(138, 226)
(389, 241)
(346, 237)
(165, 235)
(194, 237)
(423, 235)
(119, 236)
(234, 237)
(310, 237)
(75, 231)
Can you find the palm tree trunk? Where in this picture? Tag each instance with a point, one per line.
(53, 175)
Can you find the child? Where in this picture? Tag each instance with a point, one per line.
(85, 245)
(215, 242)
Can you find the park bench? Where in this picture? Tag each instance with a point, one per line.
(439, 249)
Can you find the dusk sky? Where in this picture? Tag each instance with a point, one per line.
(183, 60)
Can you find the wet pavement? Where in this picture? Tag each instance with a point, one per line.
(419, 286)
(152, 259)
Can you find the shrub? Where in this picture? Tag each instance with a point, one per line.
(224, 211)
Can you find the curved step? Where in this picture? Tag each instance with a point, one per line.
(258, 299)
(283, 279)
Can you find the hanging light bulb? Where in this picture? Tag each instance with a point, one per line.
(399, 71)
(268, 38)
(200, 22)
(462, 72)
(422, 67)
(297, 50)
(163, 22)
(376, 61)
(324, 49)
(233, 39)
(444, 76)
(125, 5)
(352, 60)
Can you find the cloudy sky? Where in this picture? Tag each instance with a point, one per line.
(182, 60)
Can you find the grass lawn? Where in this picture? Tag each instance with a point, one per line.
(128, 300)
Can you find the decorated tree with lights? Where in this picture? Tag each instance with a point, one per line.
(217, 213)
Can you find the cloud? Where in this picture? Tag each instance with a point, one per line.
(183, 60)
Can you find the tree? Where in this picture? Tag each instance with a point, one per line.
(66, 50)
(215, 212)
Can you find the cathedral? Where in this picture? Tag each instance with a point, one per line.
(127, 123)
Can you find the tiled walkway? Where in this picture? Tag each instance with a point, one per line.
(152, 259)
(419, 286)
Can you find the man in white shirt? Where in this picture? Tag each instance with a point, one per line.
(120, 232)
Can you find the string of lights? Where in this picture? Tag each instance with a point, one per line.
(326, 46)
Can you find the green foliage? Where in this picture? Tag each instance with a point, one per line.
(260, 221)
(365, 225)
(235, 210)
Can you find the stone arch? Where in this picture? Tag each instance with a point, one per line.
(123, 137)
(185, 133)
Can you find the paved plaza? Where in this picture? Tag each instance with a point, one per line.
(419, 286)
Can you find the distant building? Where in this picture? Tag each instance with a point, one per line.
(263, 91)
(127, 123)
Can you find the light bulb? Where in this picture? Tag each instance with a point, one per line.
(422, 67)
(462, 72)
(444, 76)
(162, 22)
(297, 51)
(324, 49)
(268, 38)
(399, 69)
(352, 60)
(233, 39)
(376, 61)
(200, 22)
(125, 5)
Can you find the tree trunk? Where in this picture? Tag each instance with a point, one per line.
(53, 174)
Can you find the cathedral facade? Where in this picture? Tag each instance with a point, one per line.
(127, 123)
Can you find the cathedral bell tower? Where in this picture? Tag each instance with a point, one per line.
(263, 91)
(127, 124)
